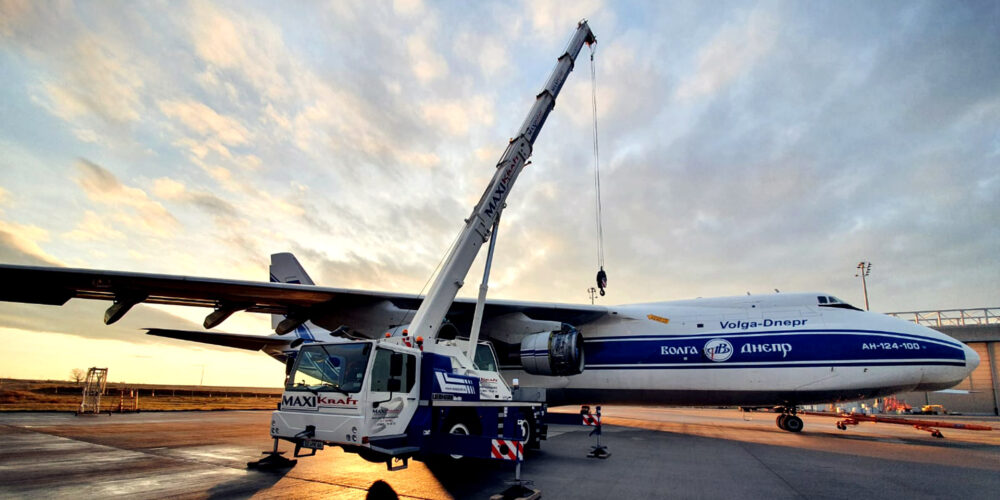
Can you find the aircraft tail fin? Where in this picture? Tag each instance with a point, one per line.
(285, 268)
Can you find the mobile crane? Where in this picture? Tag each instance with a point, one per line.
(413, 393)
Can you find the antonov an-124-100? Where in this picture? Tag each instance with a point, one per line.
(779, 350)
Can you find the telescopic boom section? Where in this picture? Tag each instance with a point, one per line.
(430, 315)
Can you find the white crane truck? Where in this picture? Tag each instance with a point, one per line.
(412, 393)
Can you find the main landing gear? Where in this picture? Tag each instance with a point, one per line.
(788, 420)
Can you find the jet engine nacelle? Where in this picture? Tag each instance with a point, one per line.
(558, 353)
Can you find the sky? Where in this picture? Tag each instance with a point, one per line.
(744, 147)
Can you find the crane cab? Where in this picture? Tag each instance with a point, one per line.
(345, 393)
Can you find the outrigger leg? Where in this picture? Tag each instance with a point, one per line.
(272, 460)
(788, 420)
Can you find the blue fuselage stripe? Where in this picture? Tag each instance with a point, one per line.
(771, 332)
(772, 365)
(769, 349)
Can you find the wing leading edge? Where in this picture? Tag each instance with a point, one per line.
(56, 286)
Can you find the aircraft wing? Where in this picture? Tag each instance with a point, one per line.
(55, 286)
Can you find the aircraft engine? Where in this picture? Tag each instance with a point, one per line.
(558, 353)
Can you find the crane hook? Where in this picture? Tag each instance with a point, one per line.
(602, 280)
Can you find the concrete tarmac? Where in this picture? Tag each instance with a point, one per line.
(656, 452)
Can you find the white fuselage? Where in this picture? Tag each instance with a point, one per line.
(780, 349)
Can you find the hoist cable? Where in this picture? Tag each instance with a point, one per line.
(597, 164)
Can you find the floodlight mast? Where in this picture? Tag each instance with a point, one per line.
(428, 318)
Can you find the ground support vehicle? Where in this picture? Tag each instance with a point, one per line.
(392, 399)
(399, 397)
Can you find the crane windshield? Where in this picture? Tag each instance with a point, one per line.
(330, 367)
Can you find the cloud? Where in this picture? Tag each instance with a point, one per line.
(457, 116)
(19, 244)
(741, 144)
(379, 270)
(170, 189)
(204, 120)
(427, 65)
(408, 7)
(729, 54)
(131, 206)
(97, 82)
(93, 227)
(487, 52)
(549, 18)
(247, 45)
(11, 14)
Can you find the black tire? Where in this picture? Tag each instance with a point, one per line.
(458, 428)
(529, 430)
(462, 423)
(793, 423)
(780, 421)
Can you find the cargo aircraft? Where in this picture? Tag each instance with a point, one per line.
(778, 350)
(781, 350)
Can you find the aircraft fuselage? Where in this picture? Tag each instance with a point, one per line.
(749, 351)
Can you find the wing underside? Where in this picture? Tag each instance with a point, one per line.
(299, 303)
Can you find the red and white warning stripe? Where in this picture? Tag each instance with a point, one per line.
(591, 419)
(508, 449)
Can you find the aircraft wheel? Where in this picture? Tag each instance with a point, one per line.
(793, 423)
(780, 421)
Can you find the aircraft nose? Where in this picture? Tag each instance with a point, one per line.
(971, 358)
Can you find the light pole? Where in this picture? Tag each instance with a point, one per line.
(593, 294)
(864, 269)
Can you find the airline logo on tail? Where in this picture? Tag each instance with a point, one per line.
(303, 332)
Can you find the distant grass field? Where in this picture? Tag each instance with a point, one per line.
(49, 395)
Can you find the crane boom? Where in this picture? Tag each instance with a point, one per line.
(427, 321)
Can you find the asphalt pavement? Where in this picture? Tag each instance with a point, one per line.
(656, 452)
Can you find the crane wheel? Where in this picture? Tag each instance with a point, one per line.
(461, 423)
(528, 430)
(458, 428)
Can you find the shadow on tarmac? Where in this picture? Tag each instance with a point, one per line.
(247, 485)
(470, 478)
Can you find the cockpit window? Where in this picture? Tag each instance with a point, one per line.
(831, 301)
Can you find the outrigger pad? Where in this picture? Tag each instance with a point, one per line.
(518, 492)
(272, 461)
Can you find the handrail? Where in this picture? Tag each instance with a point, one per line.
(952, 317)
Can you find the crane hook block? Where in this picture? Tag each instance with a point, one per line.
(602, 280)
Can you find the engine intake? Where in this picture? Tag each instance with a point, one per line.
(558, 353)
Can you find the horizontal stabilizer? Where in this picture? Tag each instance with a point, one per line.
(248, 342)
